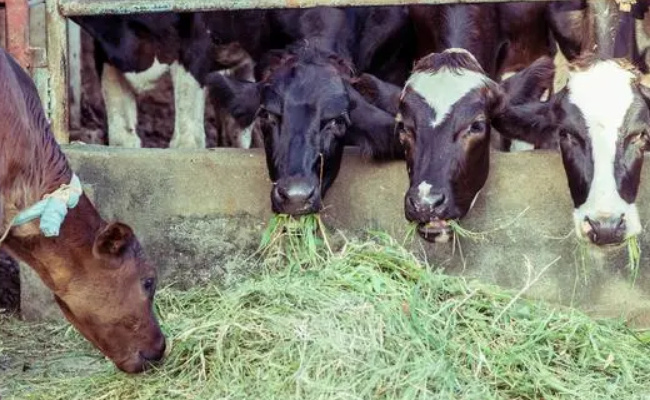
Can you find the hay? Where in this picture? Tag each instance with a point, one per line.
(633, 256)
(370, 321)
(293, 241)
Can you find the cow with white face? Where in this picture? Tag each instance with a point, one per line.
(603, 122)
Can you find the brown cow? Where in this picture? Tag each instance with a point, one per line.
(97, 271)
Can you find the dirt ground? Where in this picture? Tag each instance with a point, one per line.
(155, 109)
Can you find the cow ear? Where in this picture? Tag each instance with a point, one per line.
(113, 241)
(240, 98)
(372, 129)
(379, 93)
(522, 114)
(531, 83)
(534, 122)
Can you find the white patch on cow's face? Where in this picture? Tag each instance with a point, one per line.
(148, 79)
(442, 89)
(603, 94)
(424, 189)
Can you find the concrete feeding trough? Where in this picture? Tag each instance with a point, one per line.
(198, 212)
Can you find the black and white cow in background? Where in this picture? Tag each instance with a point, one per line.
(133, 52)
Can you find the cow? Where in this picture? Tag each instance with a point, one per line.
(97, 271)
(447, 108)
(304, 103)
(133, 52)
(602, 143)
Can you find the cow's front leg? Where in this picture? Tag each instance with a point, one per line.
(121, 109)
(189, 107)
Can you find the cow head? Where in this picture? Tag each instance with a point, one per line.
(303, 108)
(603, 122)
(445, 114)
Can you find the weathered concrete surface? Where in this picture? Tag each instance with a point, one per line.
(198, 213)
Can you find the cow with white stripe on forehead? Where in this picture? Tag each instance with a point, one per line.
(602, 118)
(445, 115)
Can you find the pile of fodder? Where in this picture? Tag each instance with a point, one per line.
(289, 241)
(368, 321)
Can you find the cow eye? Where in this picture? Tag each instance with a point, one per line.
(341, 120)
(477, 127)
(405, 135)
(567, 136)
(640, 139)
(149, 285)
(267, 116)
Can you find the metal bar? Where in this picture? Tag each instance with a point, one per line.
(57, 48)
(17, 33)
(96, 7)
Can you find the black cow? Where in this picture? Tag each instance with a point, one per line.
(304, 103)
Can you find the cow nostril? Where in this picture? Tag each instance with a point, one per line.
(411, 202)
(300, 192)
(280, 192)
(437, 199)
(593, 225)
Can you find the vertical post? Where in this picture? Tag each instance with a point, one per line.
(17, 13)
(3, 26)
(38, 46)
(74, 73)
(57, 48)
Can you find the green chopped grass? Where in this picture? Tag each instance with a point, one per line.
(367, 322)
(462, 232)
(296, 241)
(633, 255)
(584, 257)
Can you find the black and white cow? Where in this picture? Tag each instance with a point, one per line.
(304, 104)
(446, 111)
(133, 52)
(602, 117)
(452, 99)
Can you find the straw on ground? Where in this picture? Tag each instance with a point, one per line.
(368, 322)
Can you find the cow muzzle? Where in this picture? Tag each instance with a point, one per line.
(295, 196)
(604, 229)
(429, 210)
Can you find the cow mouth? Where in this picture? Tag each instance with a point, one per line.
(437, 231)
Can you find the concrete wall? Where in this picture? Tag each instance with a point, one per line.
(198, 213)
